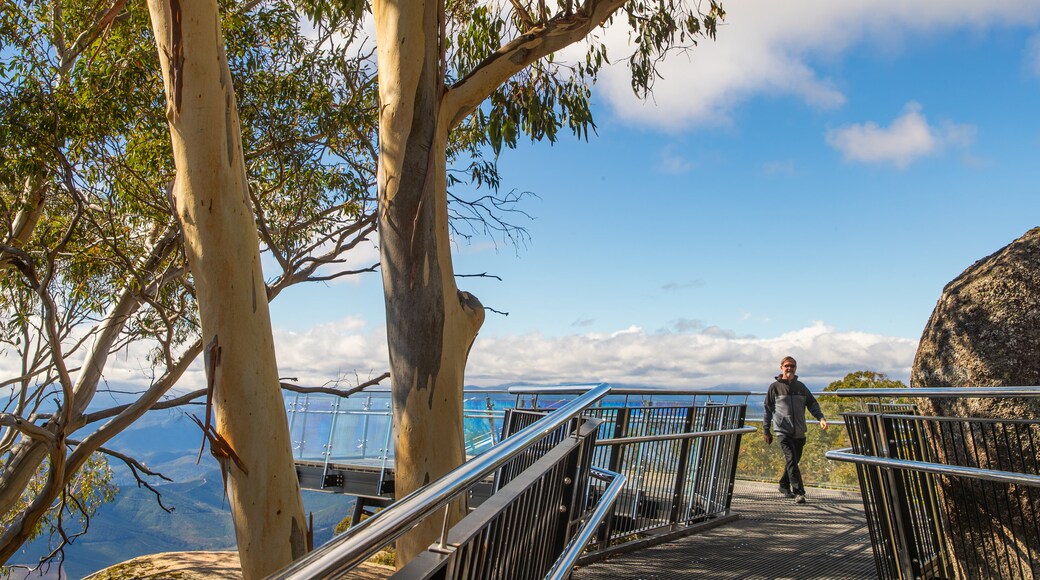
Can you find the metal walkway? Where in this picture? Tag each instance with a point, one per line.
(826, 537)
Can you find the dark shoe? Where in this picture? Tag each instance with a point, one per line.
(799, 499)
(786, 492)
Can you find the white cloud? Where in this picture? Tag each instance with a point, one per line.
(583, 321)
(331, 351)
(708, 358)
(1032, 56)
(780, 168)
(675, 286)
(127, 369)
(907, 139)
(673, 163)
(362, 256)
(705, 357)
(769, 48)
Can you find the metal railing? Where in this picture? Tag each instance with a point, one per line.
(547, 397)
(523, 530)
(679, 461)
(948, 497)
(615, 483)
(329, 432)
(346, 551)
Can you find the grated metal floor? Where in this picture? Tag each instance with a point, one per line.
(826, 537)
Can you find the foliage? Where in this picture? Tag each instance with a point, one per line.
(84, 138)
(864, 380)
(552, 94)
(834, 405)
(481, 76)
(97, 267)
(89, 489)
(387, 556)
(761, 462)
(547, 96)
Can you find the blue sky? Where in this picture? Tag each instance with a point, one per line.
(807, 184)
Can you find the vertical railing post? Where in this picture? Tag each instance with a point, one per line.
(386, 450)
(366, 407)
(567, 513)
(620, 430)
(328, 444)
(705, 423)
(716, 418)
(490, 406)
(896, 506)
(735, 455)
(863, 436)
(681, 469)
(303, 427)
(294, 408)
(617, 452)
(928, 442)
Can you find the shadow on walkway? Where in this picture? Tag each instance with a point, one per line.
(826, 537)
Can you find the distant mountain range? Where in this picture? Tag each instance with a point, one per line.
(134, 524)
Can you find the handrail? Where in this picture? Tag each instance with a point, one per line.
(668, 437)
(942, 392)
(936, 418)
(362, 541)
(808, 421)
(471, 390)
(562, 568)
(937, 468)
(581, 388)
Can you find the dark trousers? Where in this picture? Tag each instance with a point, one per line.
(792, 478)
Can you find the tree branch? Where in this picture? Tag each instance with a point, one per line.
(334, 391)
(135, 467)
(28, 428)
(100, 25)
(481, 275)
(158, 406)
(561, 31)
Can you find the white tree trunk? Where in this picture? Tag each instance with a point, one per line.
(430, 323)
(220, 239)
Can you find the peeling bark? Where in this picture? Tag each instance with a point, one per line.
(222, 249)
(429, 329)
(431, 325)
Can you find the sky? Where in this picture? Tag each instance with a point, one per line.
(807, 185)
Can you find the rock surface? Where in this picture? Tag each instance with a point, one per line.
(985, 332)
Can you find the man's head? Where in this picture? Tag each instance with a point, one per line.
(787, 367)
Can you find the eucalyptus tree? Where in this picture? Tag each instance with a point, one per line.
(486, 70)
(92, 254)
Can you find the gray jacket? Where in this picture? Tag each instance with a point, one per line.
(785, 408)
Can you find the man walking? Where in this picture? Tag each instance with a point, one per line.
(785, 406)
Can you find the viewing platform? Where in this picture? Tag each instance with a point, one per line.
(592, 482)
(773, 537)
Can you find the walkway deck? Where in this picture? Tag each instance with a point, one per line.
(826, 537)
